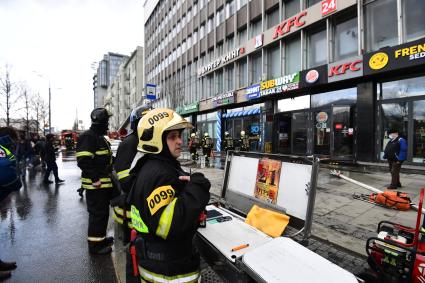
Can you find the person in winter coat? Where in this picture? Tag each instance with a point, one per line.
(94, 157)
(50, 159)
(166, 202)
(9, 180)
(395, 152)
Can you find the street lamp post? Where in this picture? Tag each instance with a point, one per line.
(50, 110)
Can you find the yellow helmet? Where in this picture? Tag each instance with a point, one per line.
(192, 135)
(154, 124)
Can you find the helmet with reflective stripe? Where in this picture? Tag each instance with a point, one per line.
(152, 126)
(137, 114)
(100, 116)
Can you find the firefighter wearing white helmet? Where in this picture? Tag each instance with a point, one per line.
(244, 142)
(207, 145)
(193, 146)
(166, 202)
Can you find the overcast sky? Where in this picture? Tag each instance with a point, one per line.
(59, 40)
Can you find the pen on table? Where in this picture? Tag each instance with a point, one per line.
(240, 247)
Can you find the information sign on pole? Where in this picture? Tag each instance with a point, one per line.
(151, 91)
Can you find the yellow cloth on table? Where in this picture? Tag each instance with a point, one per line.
(270, 222)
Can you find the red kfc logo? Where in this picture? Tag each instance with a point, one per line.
(343, 68)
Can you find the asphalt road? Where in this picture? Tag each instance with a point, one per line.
(44, 229)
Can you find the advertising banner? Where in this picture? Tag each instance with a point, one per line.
(314, 76)
(252, 92)
(267, 181)
(279, 85)
(345, 69)
(186, 109)
(394, 58)
(223, 99)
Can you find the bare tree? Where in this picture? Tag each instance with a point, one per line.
(26, 96)
(9, 97)
(39, 108)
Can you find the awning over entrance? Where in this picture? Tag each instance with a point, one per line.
(252, 111)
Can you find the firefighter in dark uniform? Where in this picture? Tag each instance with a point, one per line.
(94, 157)
(166, 202)
(244, 142)
(124, 159)
(193, 146)
(228, 142)
(207, 145)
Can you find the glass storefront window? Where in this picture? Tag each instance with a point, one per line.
(394, 116)
(219, 82)
(255, 28)
(414, 21)
(292, 7)
(273, 62)
(243, 73)
(273, 17)
(346, 39)
(255, 68)
(419, 131)
(293, 55)
(403, 88)
(317, 50)
(381, 23)
(344, 96)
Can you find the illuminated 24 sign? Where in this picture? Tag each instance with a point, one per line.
(328, 6)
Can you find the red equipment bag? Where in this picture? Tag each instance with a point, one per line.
(392, 199)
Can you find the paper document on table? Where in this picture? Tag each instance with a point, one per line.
(284, 260)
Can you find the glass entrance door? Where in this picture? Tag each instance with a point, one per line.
(343, 131)
(322, 131)
(299, 132)
(418, 131)
(284, 133)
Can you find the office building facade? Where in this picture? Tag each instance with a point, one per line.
(301, 77)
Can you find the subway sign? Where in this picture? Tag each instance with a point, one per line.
(394, 58)
(282, 84)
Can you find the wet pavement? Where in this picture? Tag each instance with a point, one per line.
(44, 229)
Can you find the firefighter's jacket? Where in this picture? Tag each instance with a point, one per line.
(194, 143)
(228, 143)
(244, 142)
(94, 157)
(122, 164)
(165, 212)
(207, 142)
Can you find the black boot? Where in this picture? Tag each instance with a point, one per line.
(80, 192)
(6, 266)
(59, 181)
(102, 247)
(109, 241)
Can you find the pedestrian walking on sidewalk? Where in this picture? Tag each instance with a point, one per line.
(94, 157)
(166, 202)
(50, 159)
(9, 180)
(395, 152)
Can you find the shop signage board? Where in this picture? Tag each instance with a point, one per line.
(223, 99)
(314, 76)
(258, 41)
(279, 85)
(395, 58)
(190, 108)
(345, 69)
(220, 61)
(252, 92)
(328, 7)
(289, 25)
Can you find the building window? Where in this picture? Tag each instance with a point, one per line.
(195, 36)
(256, 68)
(210, 85)
(220, 17)
(230, 8)
(414, 21)
(255, 28)
(273, 62)
(219, 49)
(312, 2)
(219, 81)
(202, 31)
(241, 3)
(230, 84)
(346, 43)
(189, 15)
(273, 17)
(291, 7)
(241, 36)
(201, 4)
(381, 30)
(209, 25)
(317, 49)
(243, 73)
(230, 41)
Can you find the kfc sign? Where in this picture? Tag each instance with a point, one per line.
(346, 69)
(285, 27)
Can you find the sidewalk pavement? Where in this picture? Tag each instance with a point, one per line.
(338, 218)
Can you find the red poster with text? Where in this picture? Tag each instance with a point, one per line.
(267, 182)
